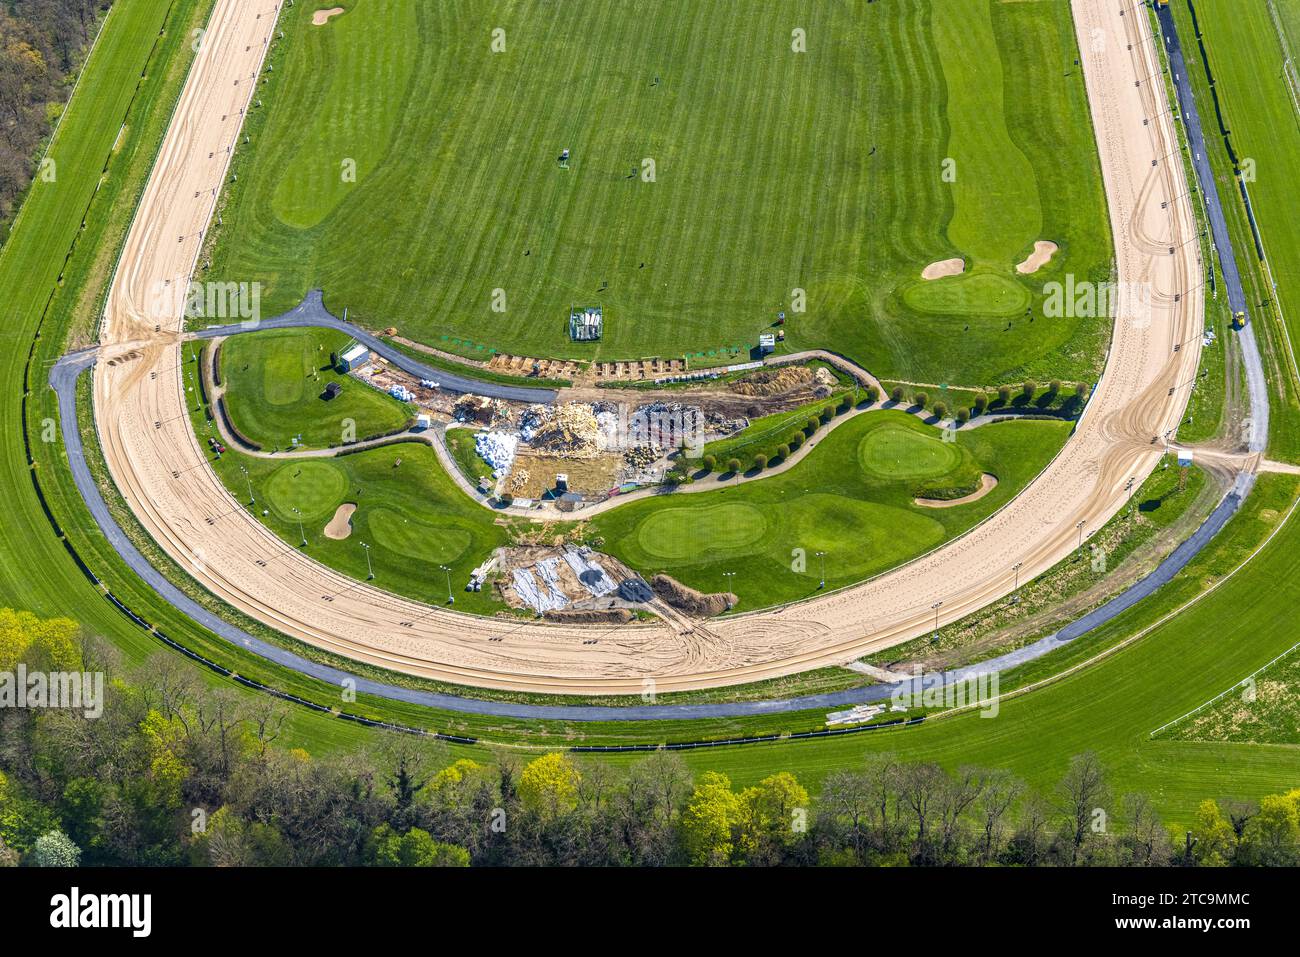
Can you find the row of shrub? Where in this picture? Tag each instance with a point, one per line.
(1006, 395)
(680, 474)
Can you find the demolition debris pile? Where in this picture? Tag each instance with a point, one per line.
(571, 430)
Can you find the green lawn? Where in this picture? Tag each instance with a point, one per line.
(851, 497)
(1246, 53)
(824, 171)
(460, 443)
(275, 391)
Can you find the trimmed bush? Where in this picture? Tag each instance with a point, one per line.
(941, 409)
(733, 465)
(896, 393)
(981, 403)
(963, 416)
(796, 440)
(1004, 394)
(1054, 388)
(709, 463)
(1029, 388)
(846, 403)
(1081, 390)
(783, 452)
(760, 461)
(872, 393)
(921, 400)
(826, 415)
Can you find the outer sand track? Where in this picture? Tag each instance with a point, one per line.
(161, 470)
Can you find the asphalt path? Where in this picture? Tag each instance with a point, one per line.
(1257, 424)
(311, 313)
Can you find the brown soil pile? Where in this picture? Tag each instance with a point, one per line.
(775, 381)
(590, 616)
(694, 603)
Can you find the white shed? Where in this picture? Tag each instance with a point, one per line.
(353, 357)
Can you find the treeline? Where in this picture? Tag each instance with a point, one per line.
(174, 770)
(41, 46)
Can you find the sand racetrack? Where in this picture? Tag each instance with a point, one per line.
(161, 471)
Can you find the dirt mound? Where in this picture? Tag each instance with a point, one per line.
(694, 603)
(590, 616)
(775, 381)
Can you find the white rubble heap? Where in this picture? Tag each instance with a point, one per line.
(497, 450)
(402, 393)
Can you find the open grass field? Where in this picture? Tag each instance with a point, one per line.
(852, 497)
(275, 383)
(908, 132)
(1245, 50)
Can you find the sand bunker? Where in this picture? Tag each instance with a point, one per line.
(340, 526)
(945, 267)
(1042, 254)
(321, 17)
(987, 484)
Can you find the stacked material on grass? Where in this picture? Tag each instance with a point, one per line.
(591, 575)
(497, 449)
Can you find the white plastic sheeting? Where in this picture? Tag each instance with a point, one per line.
(498, 450)
(540, 598)
(591, 575)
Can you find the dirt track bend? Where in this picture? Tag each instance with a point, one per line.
(157, 464)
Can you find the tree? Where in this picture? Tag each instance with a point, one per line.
(8, 856)
(921, 400)
(872, 393)
(733, 465)
(1082, 794)
(1004, 394)
(980, 404)
(825, 415)
(963, 416)
(415, 848)
(1081, 390)
(796, 440)
(548, 787)
(810, 427)
(1054, 388)
(760, 461)
(1212, 835)
(708, 820)
(1273, 834)
(1028, 389)
(941, 410)
(896, 394)
(771, 817)
(709, 463)
(55, 849)
(783, 452)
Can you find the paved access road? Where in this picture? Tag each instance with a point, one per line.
(161, 471)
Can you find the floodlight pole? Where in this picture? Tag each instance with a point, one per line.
(1015, 597)
(301, 532)
(822, 556)
(248, 478)
(935, 636)
(451, 599)
(1082, 522)
(370, 570)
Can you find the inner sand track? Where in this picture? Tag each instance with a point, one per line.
(162, 473)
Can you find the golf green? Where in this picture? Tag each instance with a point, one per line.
(313, 486)
(894, 453)
(680, 534)
(413, 538)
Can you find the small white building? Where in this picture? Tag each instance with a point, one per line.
(423, 421)
(354, 357)
(767, 342)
